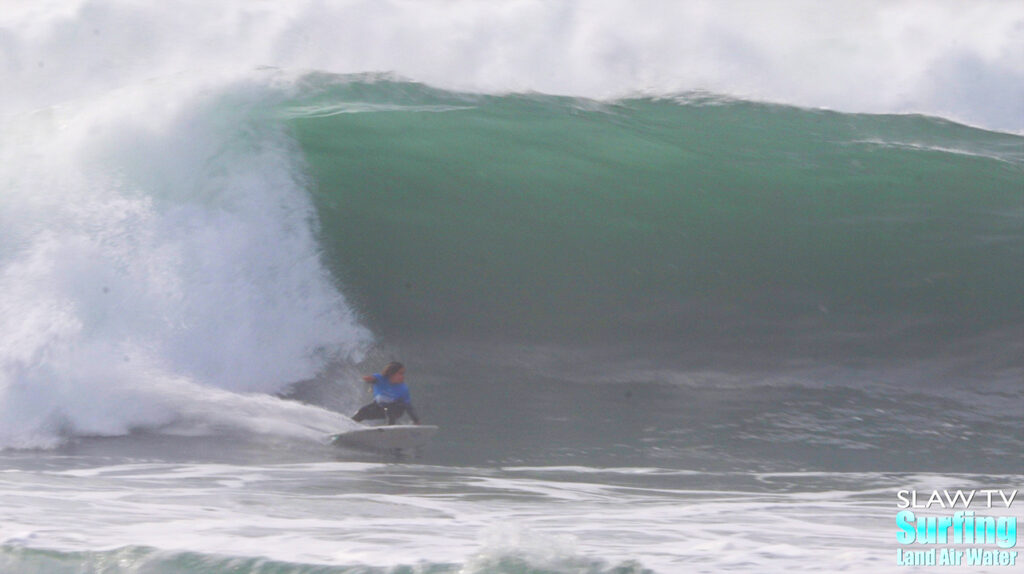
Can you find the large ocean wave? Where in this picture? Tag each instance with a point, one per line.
(177, 224)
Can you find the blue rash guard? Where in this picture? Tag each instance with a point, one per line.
(384, 391)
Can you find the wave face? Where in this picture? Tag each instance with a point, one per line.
(693, 226)
(706, 282)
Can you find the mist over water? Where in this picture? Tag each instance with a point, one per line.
(937, 58)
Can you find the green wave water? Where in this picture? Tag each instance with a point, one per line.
(698, 221)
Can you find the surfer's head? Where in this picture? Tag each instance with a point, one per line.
(394, 372)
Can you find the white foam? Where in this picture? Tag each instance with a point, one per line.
(159, 250)
(386, 515)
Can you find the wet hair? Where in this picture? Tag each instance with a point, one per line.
(391, 368)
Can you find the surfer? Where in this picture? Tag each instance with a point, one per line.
(391, 398)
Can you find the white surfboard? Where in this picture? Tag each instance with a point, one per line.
(386, 437)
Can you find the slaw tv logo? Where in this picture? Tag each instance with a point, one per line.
(956, 528)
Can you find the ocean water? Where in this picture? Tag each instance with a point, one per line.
(663, 327)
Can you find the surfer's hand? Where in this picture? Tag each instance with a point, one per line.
(368, 378)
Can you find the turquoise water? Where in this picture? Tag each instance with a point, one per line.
(718, 224)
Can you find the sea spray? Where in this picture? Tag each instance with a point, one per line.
(876, 56)
(152, 244)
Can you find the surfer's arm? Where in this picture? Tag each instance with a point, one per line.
(368, 379)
